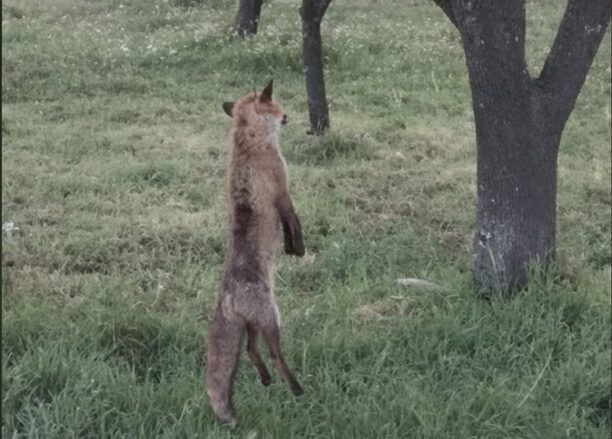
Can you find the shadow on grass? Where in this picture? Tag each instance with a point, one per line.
(146, 343)
(322, 150)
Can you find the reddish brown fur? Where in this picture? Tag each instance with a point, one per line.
(258, 196)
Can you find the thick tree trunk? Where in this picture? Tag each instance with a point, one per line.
(247, 18)
(312, 14)
(519, 122)
(516, 205)
(516, 166)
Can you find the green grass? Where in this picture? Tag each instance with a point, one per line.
(114, 147)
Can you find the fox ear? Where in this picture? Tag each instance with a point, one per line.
(227, 107)
(266, 94)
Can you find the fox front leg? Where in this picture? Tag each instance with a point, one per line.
(292, 229)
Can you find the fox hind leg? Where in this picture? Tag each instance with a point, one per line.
(271, 334)
(224, 340)
(256, 359)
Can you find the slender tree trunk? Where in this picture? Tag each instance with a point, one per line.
(312, 12)
(247, 18)
(519, 122)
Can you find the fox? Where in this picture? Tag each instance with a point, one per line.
(259, 204)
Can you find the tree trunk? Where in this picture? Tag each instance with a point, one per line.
(312, 13)
(247, 18)
(519, 122)
(516, 168)
(516, 204)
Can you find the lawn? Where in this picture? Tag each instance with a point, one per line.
(113, 159)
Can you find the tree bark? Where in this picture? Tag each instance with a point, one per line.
(312, 12)
(247, 18)
(519, 122)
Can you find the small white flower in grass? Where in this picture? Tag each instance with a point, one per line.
(9, 227)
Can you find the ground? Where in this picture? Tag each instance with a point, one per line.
(114, 148)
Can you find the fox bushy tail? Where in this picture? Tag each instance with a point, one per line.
(224, 342)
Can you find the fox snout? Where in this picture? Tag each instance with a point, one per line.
(285, 120)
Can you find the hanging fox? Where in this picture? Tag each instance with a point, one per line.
(257, 190)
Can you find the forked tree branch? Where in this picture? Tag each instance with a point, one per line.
(582, 28)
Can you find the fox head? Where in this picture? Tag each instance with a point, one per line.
(263, 104)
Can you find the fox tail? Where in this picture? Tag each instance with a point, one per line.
(224, 341)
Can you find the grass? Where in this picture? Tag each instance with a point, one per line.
(114, 147)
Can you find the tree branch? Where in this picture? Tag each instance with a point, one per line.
(446, 6)
(322, 8)
(314, 10)
(580, 33)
